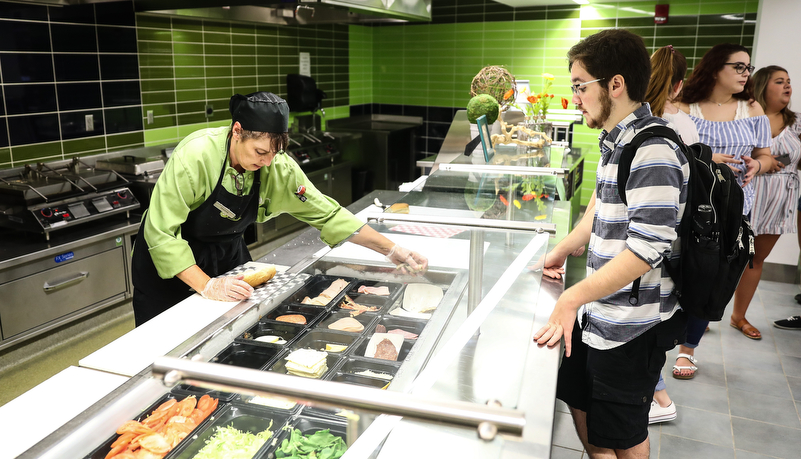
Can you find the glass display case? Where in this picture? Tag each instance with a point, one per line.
(443, 357)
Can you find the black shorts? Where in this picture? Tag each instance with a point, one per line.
(615, 386)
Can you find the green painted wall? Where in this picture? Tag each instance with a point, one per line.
(434, 64)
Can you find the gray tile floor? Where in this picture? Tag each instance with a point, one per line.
(745, 399)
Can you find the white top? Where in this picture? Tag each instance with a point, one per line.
(683, 124)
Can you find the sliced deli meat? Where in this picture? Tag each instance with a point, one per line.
(347, 324)
(381, 291)
(386, 350)
(292, 318)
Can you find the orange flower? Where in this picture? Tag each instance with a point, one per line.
(533, 99)
(503, 200)
(528, 197)
(509, 94)
(564, 103)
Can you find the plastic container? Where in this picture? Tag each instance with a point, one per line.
(246, 418)
(394, 289)
(279, 366)
(316, 285)
(308, 425)
(286, 331)
(365, 318)
(186, 389)
(402, 353)
(353, 365)
(317, 339)
(246, 355)
(359, 380)
(378, 302)
(409, 325)
(311, 313)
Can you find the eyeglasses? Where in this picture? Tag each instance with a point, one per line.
(239, 183)
(575, 87)
(740, 67)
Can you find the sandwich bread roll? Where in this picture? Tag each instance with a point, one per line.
(256, 278)
(398, 208)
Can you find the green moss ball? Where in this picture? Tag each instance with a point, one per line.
(483, 104)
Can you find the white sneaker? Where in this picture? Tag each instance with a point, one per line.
(659, 414)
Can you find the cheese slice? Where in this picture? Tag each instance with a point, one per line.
(334, 347)
(307, 362)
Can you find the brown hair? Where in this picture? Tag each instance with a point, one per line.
(668, 67)
(761, 79)
(700, 84)
(278, 140)
(615, 52)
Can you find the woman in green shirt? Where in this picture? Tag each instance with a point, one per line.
(219, 181)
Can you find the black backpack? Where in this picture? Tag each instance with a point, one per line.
(717, 242)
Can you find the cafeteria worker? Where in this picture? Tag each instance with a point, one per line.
(217, 182)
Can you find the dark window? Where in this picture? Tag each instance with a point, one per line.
(121, 93)
(33, 129)
(30, 98)
(119, 67)
(76, 67)
(72, 38)
(116, 39)
(26, 68)
(74, 13)
(73, 125)
(78, 96)
(123, 119)
(24, 36)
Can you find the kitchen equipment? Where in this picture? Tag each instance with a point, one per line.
(302, 94)
(47, 197)
(133, 165)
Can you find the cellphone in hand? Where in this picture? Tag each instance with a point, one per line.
(784, 159)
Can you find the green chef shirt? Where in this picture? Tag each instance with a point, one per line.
(191, 175)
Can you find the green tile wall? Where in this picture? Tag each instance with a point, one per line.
(433, 64)
(187, 65)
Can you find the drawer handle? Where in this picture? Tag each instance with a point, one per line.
(65, 283)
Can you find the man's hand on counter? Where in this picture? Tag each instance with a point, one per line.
(229, 288)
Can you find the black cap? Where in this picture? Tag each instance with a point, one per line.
(261, 112)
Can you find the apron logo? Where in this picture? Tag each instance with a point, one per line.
(226, 212)
(300, 193)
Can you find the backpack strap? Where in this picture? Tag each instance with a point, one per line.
(627, 157)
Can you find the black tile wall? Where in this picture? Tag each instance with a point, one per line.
(33, 129)
(30, 98)
(78, 96)
(24, 36)
(26, 68)
(73, 124)
(76, 67)
(19, 11)
(3, 133)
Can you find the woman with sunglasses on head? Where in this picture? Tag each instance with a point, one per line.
(719, 98)
(668, 67)
(776, 194)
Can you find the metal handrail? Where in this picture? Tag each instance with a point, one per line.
(245, 380)
(461, 221)
(514, 170)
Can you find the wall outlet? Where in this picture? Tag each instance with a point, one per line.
(90, 122)
(150, 117)
(209, 110)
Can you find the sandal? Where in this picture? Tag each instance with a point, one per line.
(746, 328)
(679, 369)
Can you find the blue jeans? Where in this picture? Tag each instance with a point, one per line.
(695, 330)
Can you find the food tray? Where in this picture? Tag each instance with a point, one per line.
(246, 418)
(246, 400)
(359, 380)
(102, 451)
(394, 289)
(410, 325)
(404, 350)
(279, 365)
(246, 355)
(311, 313)
(186, 389)
(365, 318)
(353, 365)
(317, 339)
(286, 331)
(308, 425)
(380, 302)
(315, 286)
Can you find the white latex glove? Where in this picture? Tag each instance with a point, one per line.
(229, 288)
(406, 260)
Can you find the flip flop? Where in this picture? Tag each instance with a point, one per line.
(745, 327)
(692, 367)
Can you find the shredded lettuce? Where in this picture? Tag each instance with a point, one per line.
(230, 443)
(320, 445)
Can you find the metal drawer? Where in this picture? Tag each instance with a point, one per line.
(42, 297)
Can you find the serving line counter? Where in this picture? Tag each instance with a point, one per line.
(458, 363)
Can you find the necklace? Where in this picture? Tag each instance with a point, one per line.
(721, 103)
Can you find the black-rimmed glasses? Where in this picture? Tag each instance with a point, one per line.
(741, 67)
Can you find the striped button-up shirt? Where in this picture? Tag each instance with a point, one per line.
(656, 191)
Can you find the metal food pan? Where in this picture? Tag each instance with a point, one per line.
(317, 339)
(247, 355)
(404, 350)
(287, 331)
(279, 365)
(316, 285)
(245, 418)
(415, 326)
(311, 313)
(365, 318)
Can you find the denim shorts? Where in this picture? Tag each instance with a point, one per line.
(615, 386)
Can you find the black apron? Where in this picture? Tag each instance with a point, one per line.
(216, 242)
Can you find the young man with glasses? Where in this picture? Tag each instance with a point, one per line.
(615, 342)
